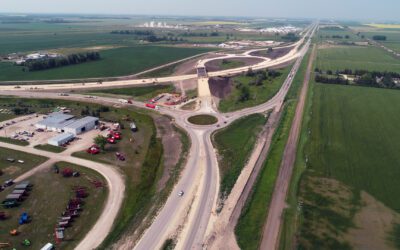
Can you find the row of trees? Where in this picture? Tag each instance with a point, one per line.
(379, 38)
(49, 63)
(362, 77)
(359, 72)
(133, 32)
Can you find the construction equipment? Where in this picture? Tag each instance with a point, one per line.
(14, 232)
(23, 219)
(26, 242)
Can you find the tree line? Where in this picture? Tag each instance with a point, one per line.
(49, 63)
(361, 77)
(379, 38)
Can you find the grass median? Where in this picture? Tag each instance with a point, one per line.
(235, 144)
(250, 225)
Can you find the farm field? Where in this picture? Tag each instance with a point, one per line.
(113, 62)
(234, 144)
(137, 93)
(351, 57)
(249, 228)
(257, 94)
(328, 33)
(345, 192)
(45, 203)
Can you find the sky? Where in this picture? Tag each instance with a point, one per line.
(333, 9)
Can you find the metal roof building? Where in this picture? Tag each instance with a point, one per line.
(61, 139)
(79, 126)
(55, 121)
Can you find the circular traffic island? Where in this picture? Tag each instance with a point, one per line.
(203, 119)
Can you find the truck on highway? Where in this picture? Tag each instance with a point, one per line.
(123, 101)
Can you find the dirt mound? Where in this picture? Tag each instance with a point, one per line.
(220, 86)
(275, 53)
(216, 64)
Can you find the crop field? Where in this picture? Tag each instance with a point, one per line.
(351, 150)
(45, 203)
(257, 94)
(327, 35)
(114, 62)
(234, 145)
(350, 57)
(385, 26)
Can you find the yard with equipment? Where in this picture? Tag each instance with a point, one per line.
(137, 152)
(348, 167)
(50, 204)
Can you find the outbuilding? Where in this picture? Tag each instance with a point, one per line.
(61, 139)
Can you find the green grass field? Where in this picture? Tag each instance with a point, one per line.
(114, 62)
(47, 200)
(11, 170)
(203, 119)
(234, 144)
(50, 148)
(138, 93)
(13, 141)
(249, 228)
(258, 94)
(352, 57)
(352, 144)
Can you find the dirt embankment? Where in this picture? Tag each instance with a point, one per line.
(220, 87)
(215, 65)
(275, 53)
(172, 147)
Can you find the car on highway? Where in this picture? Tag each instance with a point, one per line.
(181, 193)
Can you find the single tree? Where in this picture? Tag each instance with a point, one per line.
(101, 141)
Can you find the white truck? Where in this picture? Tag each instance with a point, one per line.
(123, 101)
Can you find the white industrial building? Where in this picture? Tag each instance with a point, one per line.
(60, 122)
(55, 122)
(82, 125)
(61, 139)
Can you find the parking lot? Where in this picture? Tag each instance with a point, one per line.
(23, 128)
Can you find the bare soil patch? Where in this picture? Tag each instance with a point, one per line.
(215, 65)
(373, 223)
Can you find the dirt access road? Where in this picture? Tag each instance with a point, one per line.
(270, 237)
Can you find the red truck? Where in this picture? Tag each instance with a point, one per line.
(149, 105)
